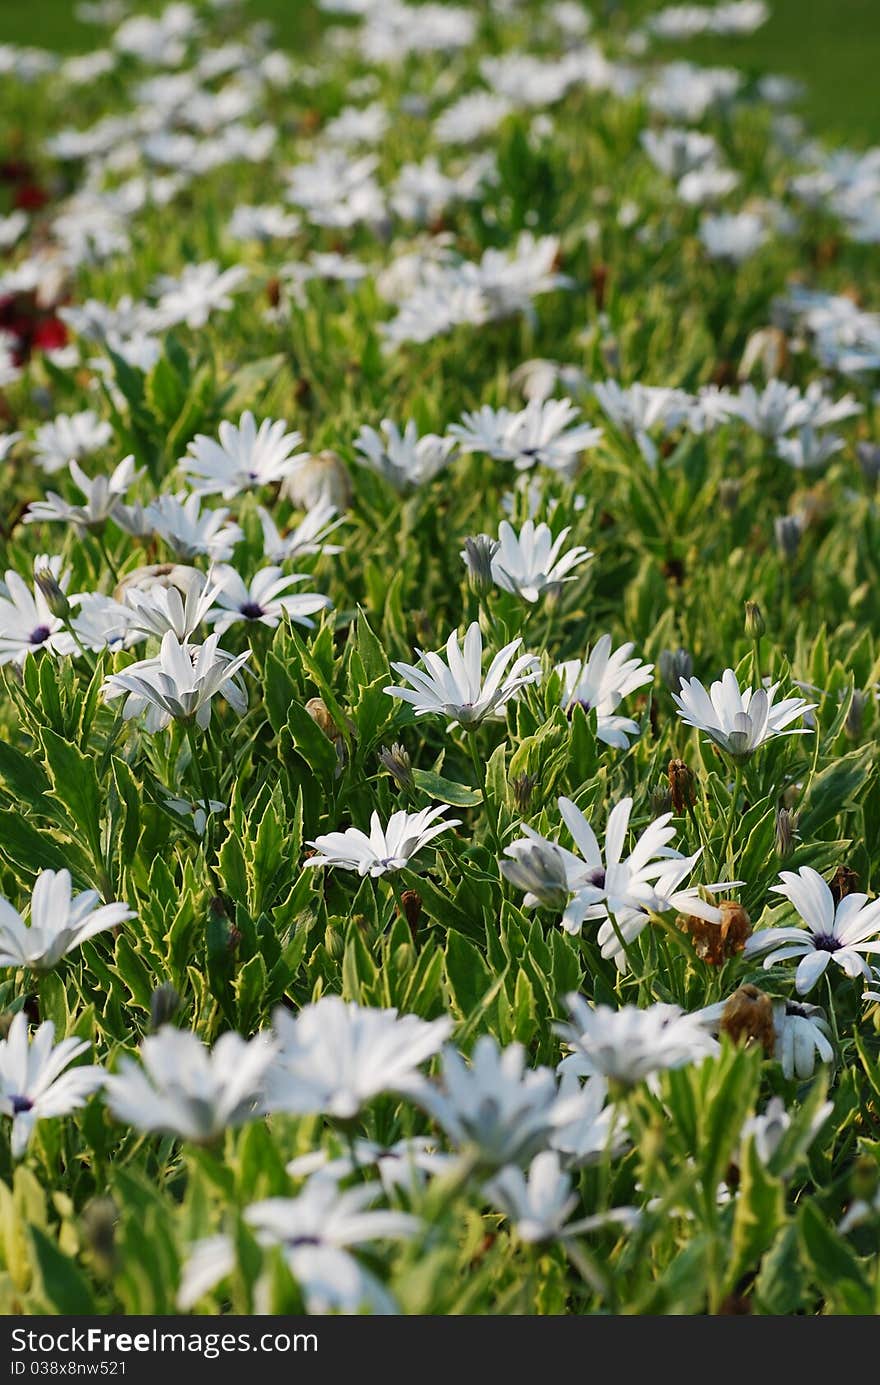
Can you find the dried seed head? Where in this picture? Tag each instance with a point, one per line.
(682, 786)
(754, 622)
(715, 943)
(748, 1018)
(674, 664)
(845, 882)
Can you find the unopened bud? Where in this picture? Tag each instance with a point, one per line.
(412, 908)
(478, 554)
(868, 454)
(855, 717)
(728, 494)
(98, 1224)
(754, 623)
(865, 1178)
(523, 786)
(164, 1005)
(320, 714)
(682, 786)
(661, 800)
(674, 664)
(399, 766)
(787, 531)
(748, 1017)
(334, 942)
(52, 593)
(786, 831)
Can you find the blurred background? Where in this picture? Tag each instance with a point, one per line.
(833, 46)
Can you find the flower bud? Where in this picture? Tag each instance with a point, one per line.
(786, 831)
(398, 764)
(728, 494)
(412, 908)
(523, 786)
(98, 1225)
(164, 1005)
(334, 942)
(787, 531)
(54, 596)
(868, 454)
(855, 717)
(674, 664)
(754, 622)
(478, 554)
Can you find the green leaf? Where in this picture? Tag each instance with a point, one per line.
(468, 976)
(75, 787)
(446, 790)
(62, 1283)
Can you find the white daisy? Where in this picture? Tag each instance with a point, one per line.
(844, 933)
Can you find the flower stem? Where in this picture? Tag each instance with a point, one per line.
(734, 799)
(480, 772)
(195, 750)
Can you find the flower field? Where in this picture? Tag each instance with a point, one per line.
(439, 862)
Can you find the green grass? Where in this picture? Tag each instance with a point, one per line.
(831, 45)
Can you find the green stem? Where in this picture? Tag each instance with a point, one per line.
(737, 785)
(106, 556)
(480, 772)
(195, 750)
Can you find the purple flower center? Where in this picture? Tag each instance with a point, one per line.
(304, 1241)
(20, 1104)
(575, 702)
(251, 610)
(39, 635)
(826, 942)
(597, 877)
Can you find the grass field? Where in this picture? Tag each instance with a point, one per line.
(831, 45)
